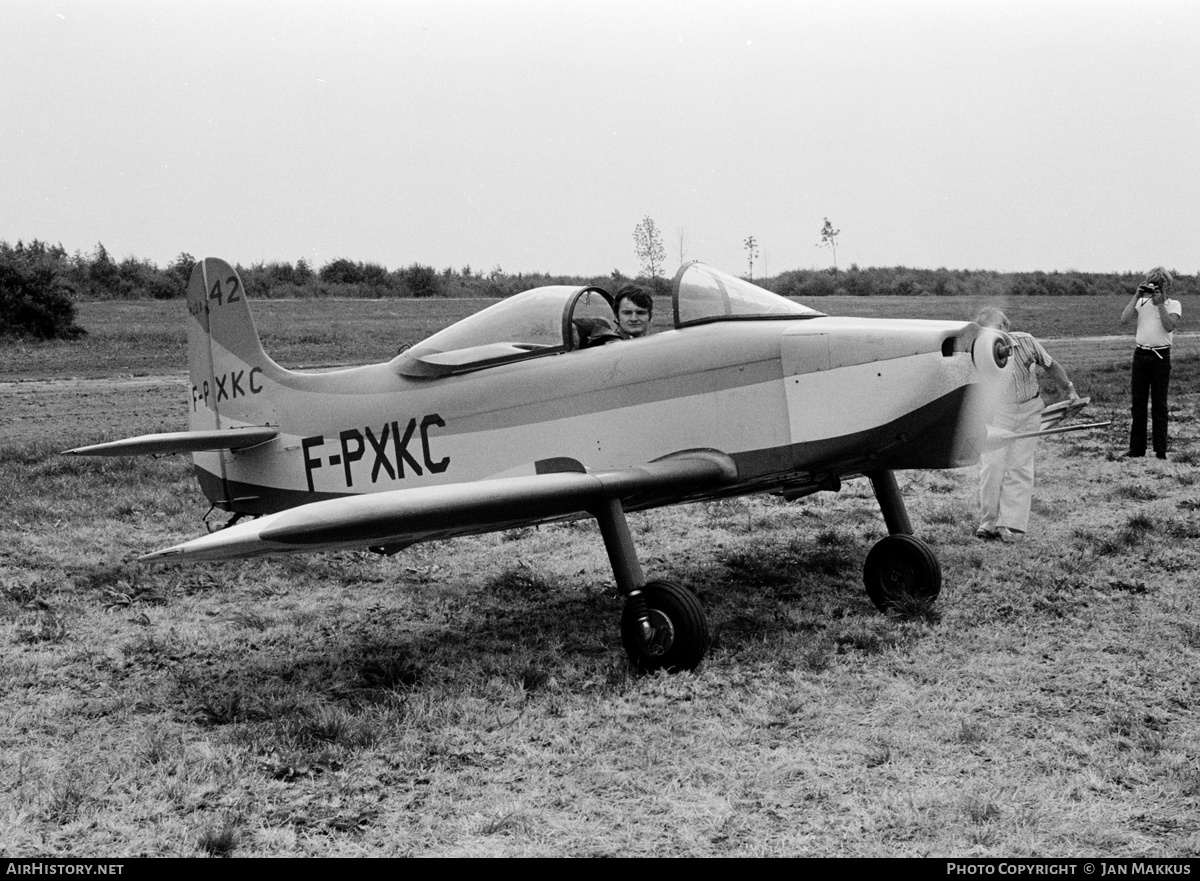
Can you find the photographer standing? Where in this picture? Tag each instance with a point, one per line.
(1157, 318)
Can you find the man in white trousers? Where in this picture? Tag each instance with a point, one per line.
(1006, 475)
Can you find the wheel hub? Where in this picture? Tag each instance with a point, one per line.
(658, 634)
(899, 577)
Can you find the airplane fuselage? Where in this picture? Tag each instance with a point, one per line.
(791, 402)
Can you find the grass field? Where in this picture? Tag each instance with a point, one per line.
(472, 698)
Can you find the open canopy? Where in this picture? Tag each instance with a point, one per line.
(703, 294)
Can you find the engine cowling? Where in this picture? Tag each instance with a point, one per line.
(990, 352)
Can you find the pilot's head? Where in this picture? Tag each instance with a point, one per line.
(635, 310)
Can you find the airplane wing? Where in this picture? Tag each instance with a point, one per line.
(180, 442)
(395, 519)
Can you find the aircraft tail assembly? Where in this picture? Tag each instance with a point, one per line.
(228, 371)
(228, 376)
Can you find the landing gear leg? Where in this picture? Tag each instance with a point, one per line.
(663, 625)
(891, 503)
(900, 568)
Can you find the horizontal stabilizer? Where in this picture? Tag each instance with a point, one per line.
(433, 512)
(180, 442)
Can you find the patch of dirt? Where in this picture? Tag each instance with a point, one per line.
(70, 412)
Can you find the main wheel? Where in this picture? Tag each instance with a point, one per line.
(901, 568)
(680, 635)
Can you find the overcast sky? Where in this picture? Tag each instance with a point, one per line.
(535, 135)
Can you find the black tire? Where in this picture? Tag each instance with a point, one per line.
(900, 569)
(681, 630)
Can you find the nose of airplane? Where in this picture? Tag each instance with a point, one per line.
(990, 352)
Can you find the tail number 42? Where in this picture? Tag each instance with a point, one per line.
(230, 292)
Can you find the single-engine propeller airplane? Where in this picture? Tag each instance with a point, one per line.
(514, 416)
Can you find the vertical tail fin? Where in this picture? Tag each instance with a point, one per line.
(231, 376)
(233, 382)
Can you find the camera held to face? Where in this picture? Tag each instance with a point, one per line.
(1148, 289)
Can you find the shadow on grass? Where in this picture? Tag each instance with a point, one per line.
(307, 695)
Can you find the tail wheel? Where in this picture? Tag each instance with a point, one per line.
(901, 568)
(679, 636)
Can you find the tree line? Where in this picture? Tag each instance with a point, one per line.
(39, 283)
(97, 276)
(901, 281)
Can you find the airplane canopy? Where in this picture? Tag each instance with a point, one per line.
(703, 294)
(542, 321)
(561, 318)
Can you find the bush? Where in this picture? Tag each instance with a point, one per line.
(180, 271)
(34, 299)
(99, 277)
(138, 279)
(102, 273)
(340, 271)
(420, 281)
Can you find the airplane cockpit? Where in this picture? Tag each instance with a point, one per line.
(563, 318)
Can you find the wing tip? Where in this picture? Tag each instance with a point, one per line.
(163, 554)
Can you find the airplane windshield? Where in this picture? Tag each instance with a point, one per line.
(704, 294)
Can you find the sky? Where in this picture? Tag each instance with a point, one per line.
(534, 136)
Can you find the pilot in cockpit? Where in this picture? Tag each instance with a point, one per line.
(635, 311)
